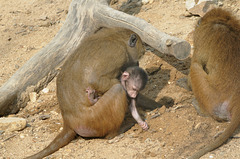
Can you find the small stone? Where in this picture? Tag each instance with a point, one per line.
(197, 126)
(45, 90)
(162, 144)
(147, 152)
(201, 7)
(220, 4)
(21, 136)
(145, 2)
(154, 70)
(53, 112)
(1, 132)
(43, 18)
(162, 110)
(186, 14)
(152, 154)
(111, 141)
(33, 96)
(12, 123)
(45, 24)
(44, 117)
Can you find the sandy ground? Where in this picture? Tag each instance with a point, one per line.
(176, 130)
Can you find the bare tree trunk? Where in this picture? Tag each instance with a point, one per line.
(84, 18)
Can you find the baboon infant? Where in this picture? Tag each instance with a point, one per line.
(133, 80)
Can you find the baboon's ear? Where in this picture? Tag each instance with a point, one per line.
(125, 75)
(133, 40)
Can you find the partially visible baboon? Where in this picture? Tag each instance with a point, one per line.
(215, 71)
(96, 64)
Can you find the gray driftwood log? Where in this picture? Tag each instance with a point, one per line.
(84, 18)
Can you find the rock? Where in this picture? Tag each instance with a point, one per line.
(33, 96)
(45, 24)
(201, 7)
(220, 4)
(12, 123)
(44, 117)
(154, 70)
(162, 110)
(21, 136)
(1, 132)
(145, 2)
(152, 154)
(43, 18)
(53, 112)
(45, 90)
(162, 144)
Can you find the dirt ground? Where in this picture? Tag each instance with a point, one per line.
(176, 130)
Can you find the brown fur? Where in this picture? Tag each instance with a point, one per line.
(215, 71)
(96, 64)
